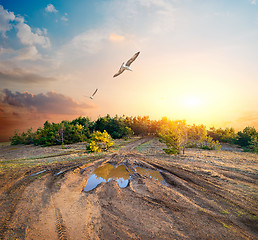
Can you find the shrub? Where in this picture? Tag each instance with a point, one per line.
(99, 141)
(170, 150)
(210, 144)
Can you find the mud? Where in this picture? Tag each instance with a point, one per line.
(199, 195)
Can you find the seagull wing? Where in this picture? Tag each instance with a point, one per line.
(132, 59)
(120, 71)
(94, 92)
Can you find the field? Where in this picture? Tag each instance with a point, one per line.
(145, 194)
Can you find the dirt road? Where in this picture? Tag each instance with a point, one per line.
(144, 194)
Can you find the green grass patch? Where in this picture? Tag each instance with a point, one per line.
(224, 225)
(224, 212)
(144, 146)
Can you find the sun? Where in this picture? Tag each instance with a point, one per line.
(192, 101)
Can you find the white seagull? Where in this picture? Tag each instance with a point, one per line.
(126, 66)
(91, 97)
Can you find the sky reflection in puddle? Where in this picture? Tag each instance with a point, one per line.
(153, 174)
(121, 174)
(107, 173)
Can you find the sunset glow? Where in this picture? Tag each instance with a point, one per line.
(198, 61)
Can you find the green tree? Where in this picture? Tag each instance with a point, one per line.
(244, 138)
(227, 135)
(99, 141)
(196, 135)
(253, 144)
(174, 135)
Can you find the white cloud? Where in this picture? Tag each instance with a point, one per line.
(29, 53)
(158, 17)
(64, 18)
(253, 2)
(6, 51)
(90, 41)
(27, 37)
(41, 32)
(50, 8)
(24, 31)
(128, 33)
(5, 19)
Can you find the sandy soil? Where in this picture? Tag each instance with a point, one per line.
(205, 195)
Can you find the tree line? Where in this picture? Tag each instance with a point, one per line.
(177, 135)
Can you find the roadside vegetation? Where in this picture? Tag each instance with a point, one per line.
(177, 135)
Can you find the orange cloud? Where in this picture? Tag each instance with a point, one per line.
(116, 38)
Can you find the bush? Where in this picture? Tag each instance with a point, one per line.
(16, 138)
(210, 144)
(99, 142)
(170, 150)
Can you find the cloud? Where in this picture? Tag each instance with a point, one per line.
(25, 110)
(249, 119)
(90, 42)
(6, 51)
(49, 103)
(116, 38)
(27, 37)
(5, 18)
(29, 53)
(24, 31)
(18, 75)
(50, 8)
(253, 2)
(158, 18)
(64, 18)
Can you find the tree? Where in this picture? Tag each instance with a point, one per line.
(174, 135)
(253, 144)
(227, 135)
(196, 135)
(244, 138)
(99, 141)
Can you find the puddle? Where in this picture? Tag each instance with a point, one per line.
(107, 173)
(34, 174)
(153, 174)
(121, 174)
(58, 173)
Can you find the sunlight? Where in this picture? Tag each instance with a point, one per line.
(192, 101)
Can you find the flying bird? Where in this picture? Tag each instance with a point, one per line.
(126, 66)
(91, 97)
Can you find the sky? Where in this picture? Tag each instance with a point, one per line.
(198, 61)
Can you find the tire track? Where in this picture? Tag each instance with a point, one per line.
(60, 226)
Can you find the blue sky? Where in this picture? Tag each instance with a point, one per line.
(198, 60)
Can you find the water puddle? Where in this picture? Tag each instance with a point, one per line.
(107, 173)
(153, 174)
(56, 174)
(121, 174)
(35, 174)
